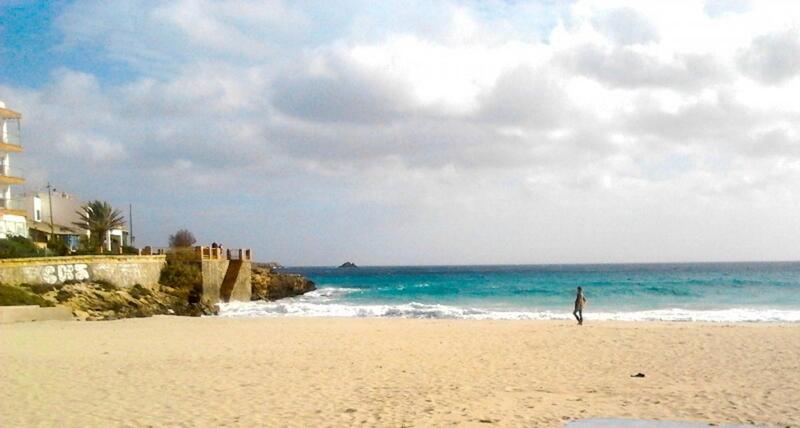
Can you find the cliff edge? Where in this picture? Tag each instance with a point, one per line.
(269, 284)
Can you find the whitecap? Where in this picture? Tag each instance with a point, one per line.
(306, 308)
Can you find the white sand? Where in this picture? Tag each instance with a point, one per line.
(172, 371)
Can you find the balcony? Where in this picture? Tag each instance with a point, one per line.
(6, 178)
(12, 206)
(9, 114)
(10, 141)
(9, 179)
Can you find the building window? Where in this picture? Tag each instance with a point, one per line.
(37, 215)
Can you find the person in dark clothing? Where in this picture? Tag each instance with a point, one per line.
(580, 302)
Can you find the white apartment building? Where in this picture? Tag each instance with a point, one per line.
(12, 213)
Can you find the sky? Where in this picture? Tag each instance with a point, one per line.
(419, 132)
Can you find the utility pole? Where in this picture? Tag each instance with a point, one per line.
(130, 223)
(50, 204)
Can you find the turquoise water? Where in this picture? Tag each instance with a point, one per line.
(672, 292)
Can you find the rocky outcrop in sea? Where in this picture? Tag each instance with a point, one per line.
(269, 284)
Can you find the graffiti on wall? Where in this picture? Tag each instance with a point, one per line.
(59, 273)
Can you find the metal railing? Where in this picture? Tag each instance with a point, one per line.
(12, 204)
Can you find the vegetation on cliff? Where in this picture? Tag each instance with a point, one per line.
(102, 300)
(182, 277)
(18, 296)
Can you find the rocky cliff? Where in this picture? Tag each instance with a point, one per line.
(105, 301)
(269, 284)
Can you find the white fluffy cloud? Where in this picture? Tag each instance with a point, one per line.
(620, 131)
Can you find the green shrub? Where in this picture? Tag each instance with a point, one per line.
(40, 288)
(18, 246)
(105, 285)
(184, 254)
(63, 295)
(182, 276)
(87, 246)
(57, 247)
(137, 291)
(14, 296)
(130, 250)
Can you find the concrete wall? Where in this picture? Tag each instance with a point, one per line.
(214, 272)
(9, 314)
(213, 275)
(122, 271)
(243, 288)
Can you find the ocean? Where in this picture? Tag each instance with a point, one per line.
(707, 292)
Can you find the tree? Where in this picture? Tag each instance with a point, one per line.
(181, 239)
(98, 217)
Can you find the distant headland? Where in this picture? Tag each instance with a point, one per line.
(347, 265)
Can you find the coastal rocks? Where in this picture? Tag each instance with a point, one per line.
(104, 301)
(347, 265)
(267, 284)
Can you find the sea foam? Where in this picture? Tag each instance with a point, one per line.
(325, 303)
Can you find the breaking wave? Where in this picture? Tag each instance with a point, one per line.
(326, 302)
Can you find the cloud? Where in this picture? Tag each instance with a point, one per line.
(525, 96)
(92, 148)
(159, 38)
(630, 68)
(446, 133)
(715, 8)
(626, 26)
(772, 58)
(331, 88)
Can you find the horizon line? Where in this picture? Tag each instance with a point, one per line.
(542, 264)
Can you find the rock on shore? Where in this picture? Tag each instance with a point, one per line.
(268, 284)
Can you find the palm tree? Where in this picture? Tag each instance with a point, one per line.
(98, 217)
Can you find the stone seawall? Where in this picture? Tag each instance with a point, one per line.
(122, 271)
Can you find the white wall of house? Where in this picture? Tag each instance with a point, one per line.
(13, 225)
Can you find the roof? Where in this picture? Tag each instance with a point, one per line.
(58, 228)
(9, 114)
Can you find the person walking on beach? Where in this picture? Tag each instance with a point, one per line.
(580, 301)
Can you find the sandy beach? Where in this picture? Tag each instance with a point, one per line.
(175, 371)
